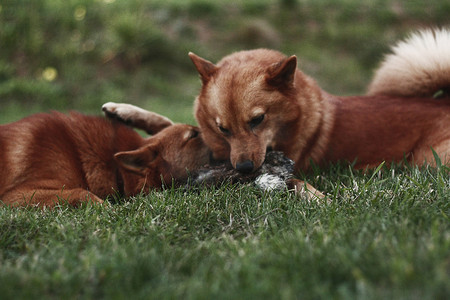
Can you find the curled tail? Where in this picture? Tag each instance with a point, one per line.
(418, 66)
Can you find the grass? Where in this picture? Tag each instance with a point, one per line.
(384, 234)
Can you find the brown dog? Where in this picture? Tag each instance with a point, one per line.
(48, 158)
(143, 119)
(254, 100)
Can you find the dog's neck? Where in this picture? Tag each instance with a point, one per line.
(313, 128)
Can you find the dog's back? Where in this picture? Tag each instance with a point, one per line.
(73, 149)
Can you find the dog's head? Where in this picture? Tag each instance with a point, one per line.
(168, 155)
(247, 104)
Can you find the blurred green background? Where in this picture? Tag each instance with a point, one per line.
(78, 54)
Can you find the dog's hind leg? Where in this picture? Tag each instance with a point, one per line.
(48, 197)
(136, 117)
(439, 154)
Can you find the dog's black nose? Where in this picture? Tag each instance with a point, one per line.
(245, 167)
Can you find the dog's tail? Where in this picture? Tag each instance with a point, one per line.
(418, 66)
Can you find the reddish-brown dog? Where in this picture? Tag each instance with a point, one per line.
(49, 158)
(254, 100)
(143, 119)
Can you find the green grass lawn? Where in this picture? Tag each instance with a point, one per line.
(384, 234)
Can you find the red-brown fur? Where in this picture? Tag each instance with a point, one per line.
(143, 119)
(48, 158)
(373, 129)
(308, 124)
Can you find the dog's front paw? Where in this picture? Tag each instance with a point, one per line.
(136, 117)
(111, 109)
(126, 113)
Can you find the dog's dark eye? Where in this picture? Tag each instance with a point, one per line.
(256, 121)
(224, 130)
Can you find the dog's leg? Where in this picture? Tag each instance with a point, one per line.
(305, 190)
(427, 154)
(48, 197)
(136, 117)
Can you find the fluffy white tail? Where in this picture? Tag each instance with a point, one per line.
(418, 66)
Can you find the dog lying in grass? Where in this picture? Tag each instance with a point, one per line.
(276, 173)
(255, 100)
(50, 158)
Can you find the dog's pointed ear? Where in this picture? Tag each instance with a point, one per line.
(205, 68)
(282, 74)
(137, 161)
